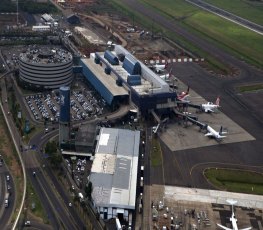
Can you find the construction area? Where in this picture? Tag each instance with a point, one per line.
(118, 29)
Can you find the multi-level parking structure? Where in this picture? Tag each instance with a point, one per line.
(45, 68)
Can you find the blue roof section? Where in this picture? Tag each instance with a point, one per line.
(111, 58)
(131, 65)
(97, 84)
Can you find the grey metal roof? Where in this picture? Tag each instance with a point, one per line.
(120, 141)
(123, 167)
(114, 169)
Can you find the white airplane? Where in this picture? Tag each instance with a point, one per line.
(233, 219)
(183, 96)
(155, 128)
(210, 106)
(158, 68)
(167, 76)
(213, 133)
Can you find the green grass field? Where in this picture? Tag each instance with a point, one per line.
(235, 39)
(156, 153)
(249, 88)
(235, 180)
(250, 10)
(32, 198)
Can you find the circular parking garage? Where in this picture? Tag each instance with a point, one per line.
(45, 68)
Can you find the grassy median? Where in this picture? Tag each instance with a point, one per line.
(235, 180)
(156, 153)
(33, 203)
(250, 88)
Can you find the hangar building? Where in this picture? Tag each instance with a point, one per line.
(119, 77)
(114, 173)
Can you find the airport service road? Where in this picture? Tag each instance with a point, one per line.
(212, 196)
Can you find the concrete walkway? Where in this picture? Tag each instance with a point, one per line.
(213, 196)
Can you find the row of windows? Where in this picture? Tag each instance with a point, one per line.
(45, 80)
(48, 84)
(41, 75)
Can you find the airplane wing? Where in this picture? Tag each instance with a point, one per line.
(223, 227)
(209, 111)
(209, 135)
(158, 70)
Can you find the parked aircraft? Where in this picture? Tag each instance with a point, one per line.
(183, 95)
(233, 219)
(167, 76)
(213, 133)
(155, 128)
(158, 68)
(210, 107)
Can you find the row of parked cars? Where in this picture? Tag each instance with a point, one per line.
(83, 105)
(53, 108)
(78, 169)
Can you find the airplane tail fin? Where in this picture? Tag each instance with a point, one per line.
(221, 132)
(217, 101)
(230, 201)
(188, 88)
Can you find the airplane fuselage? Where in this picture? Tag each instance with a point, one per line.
(234, 222)
(213, 133)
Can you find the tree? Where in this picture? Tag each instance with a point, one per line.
(54, 156)
(88, 190)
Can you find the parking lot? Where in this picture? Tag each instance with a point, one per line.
(84, 105)
(79, 168)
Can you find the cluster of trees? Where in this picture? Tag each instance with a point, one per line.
(29, 6)
(7, 6)
(54, 156)
(37, 7)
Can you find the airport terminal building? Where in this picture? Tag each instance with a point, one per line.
(114, 173)
(120, 78)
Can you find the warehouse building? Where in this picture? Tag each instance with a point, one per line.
(114, 173)
(45, 68)
(117, 76)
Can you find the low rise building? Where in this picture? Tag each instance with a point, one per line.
(114, 173)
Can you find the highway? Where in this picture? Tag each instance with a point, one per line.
(229, 16)
(16, 141)
(56, 195)
(6, 213)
